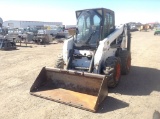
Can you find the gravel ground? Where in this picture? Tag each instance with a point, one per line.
(136, 97)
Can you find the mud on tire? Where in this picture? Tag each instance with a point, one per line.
(113, 70)
(59, 63)
(125, 61)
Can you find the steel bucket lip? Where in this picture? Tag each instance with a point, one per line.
(76, 105)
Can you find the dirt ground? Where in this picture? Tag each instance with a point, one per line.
(136, 97)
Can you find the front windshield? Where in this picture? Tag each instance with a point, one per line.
(88, 29)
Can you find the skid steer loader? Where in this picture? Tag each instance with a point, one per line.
(93, 59)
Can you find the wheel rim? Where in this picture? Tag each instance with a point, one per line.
(118, 71)
(128, 63)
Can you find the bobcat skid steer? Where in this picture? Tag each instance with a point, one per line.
(93, 59)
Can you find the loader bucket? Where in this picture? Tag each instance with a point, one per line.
(79, 89)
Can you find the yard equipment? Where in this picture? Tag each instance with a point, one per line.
(7, 44)
(92, 60)
(14, 34)
(133, 26)
(21, 35)
(144, 27)
(57, 31)
(43, 37)
(157, 32)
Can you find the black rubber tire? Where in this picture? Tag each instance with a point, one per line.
(110, 70)
(125, 61)
(59, 63)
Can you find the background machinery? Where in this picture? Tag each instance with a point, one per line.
(43, 36)
(144, 27)
(157, 31)
(6, 44)
(92, 60)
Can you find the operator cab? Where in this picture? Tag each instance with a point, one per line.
(93, 25)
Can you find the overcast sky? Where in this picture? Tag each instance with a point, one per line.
(64, 10)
